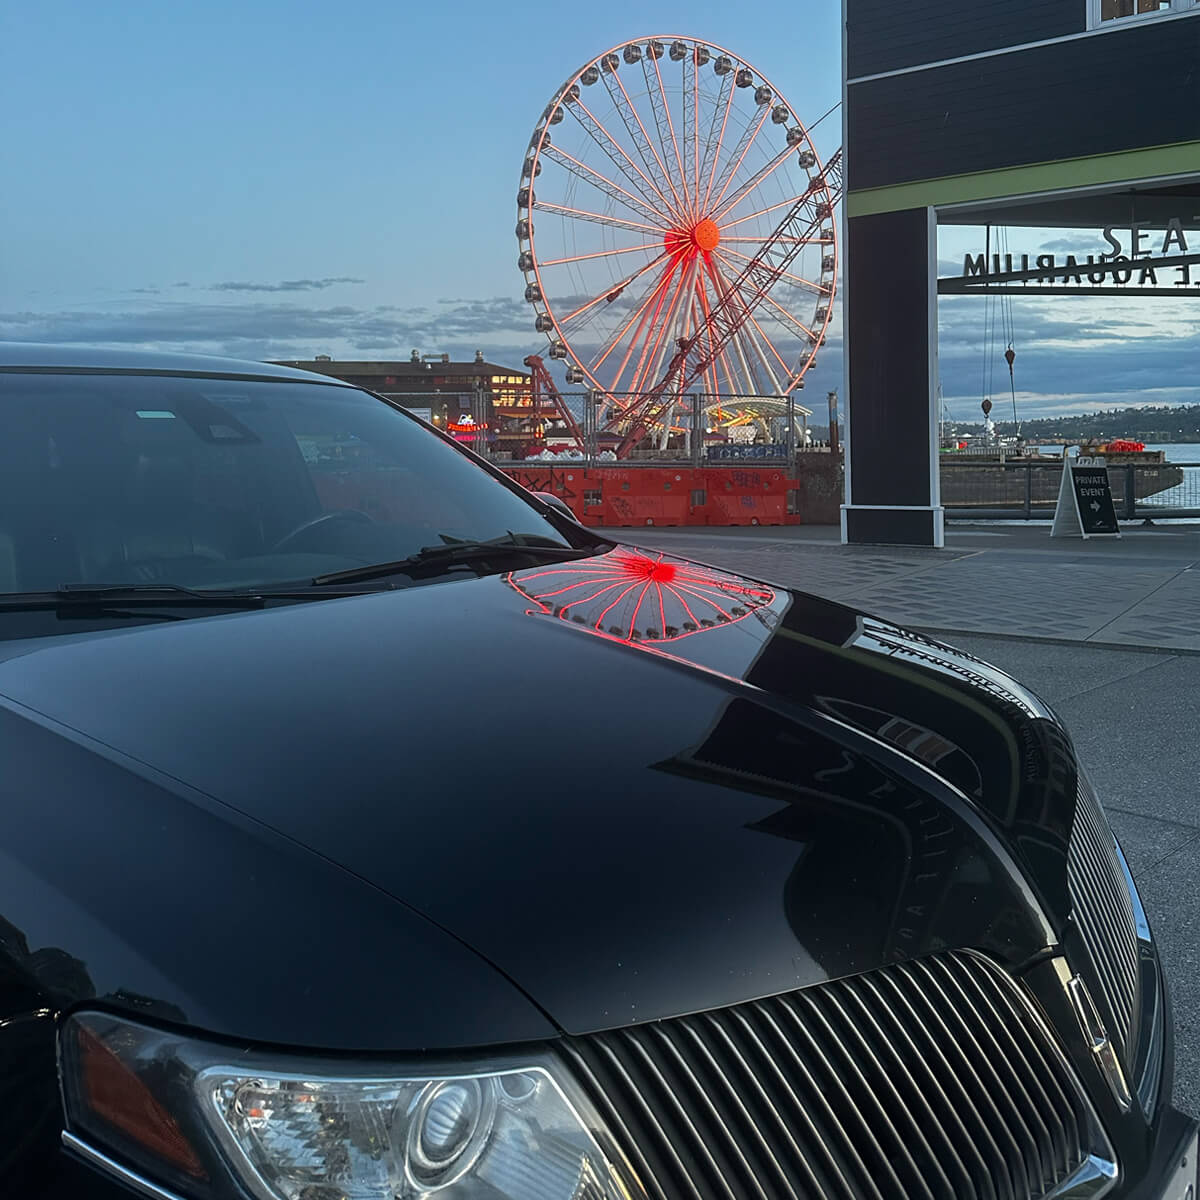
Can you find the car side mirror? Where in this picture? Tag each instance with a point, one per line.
(558, 504)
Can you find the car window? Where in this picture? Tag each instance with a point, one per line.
(217, 482)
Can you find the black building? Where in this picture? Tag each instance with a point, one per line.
(1038, 113)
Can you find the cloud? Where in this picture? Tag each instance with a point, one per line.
(1073, 354)
(286, 330)
(287, 285)
(1071, 246)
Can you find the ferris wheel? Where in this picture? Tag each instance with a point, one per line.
(654, 181)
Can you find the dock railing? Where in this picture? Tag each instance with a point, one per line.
(1025, 489)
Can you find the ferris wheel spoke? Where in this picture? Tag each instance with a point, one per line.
(749, 324)
(750, 330)
(706, 329)
(673, 330)
(645, 148)
(745, 351)
(722, 356)
(574, 258)
(658, 289)
(731, 384)
(661, 338)
(762, 212)
(657, 92)
(611, 293)
(759, 177)
(787, 316)
(653, 334)
(678, 327)
(738, 155)
(776, 274)
(682, 328)
(738, 345)
(709, 379)
(734, 308)
(613, 190)
(691, 126)
(758, 241)
(595, 217)
(642, 312)
(759, 333)
(616, 153)
(712, 147)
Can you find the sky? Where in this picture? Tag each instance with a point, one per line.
(284, 178)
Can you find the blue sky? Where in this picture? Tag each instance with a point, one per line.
(278, 179)
(269, 141)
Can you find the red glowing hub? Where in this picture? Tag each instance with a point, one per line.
(648, 570)
(702, 238)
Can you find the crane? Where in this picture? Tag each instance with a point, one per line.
(545, 395)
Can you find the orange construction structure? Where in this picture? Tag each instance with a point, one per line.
(665, 494)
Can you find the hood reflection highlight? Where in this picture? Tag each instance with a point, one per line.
(640, 595)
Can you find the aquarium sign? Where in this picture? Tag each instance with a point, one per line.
(1136, 255)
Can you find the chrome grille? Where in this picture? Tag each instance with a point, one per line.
(1103, 910)
(930, 1079)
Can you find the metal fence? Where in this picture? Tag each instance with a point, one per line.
(785, 419)
(1025, 490)
(974, 486)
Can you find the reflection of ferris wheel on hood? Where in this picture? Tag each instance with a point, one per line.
(653, 179)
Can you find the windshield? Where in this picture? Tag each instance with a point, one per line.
(220, 483)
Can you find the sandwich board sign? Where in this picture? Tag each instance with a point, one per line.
(1085, 504)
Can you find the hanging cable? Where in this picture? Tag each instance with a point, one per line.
(1010, 333)
(987, 309)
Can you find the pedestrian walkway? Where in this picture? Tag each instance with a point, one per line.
(1142, 590)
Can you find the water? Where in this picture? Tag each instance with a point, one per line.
(1184, 495)
(1180, 452)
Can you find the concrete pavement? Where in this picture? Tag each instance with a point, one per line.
(1107, 632)
(1143, 590)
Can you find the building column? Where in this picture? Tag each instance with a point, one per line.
(893, 494)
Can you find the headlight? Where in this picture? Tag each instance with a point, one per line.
(187, 1115)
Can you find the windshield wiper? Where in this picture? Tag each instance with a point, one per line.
(128, 595)
(123, 599)
(453, 554)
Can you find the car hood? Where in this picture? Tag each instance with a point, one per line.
(635, 785)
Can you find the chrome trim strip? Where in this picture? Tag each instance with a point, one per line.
(1155, 1053)
(1151, 1036)
(114, 1168)
(1139, 913)
(1093, 1179)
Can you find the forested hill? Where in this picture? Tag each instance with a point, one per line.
(1148, 424)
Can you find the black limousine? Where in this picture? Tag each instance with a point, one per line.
(373, 831)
